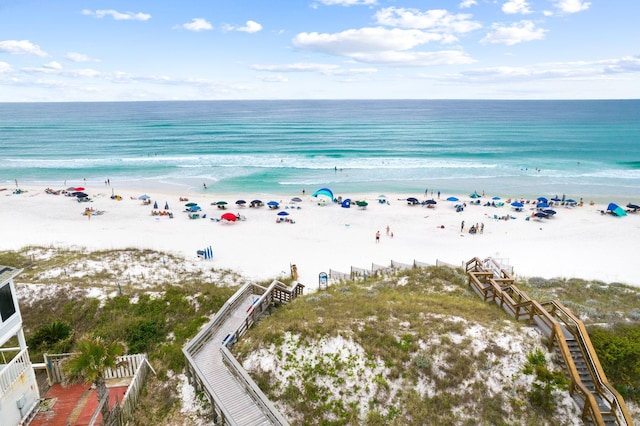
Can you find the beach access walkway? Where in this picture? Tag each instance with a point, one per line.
(600, 403)
(235, 398)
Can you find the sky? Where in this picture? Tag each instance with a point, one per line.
(116, 50)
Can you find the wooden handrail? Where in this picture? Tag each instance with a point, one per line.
(601, 381)
(478, 278)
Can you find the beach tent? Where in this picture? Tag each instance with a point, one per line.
(616, 209)
(296, 199)
(229, 217)
(430, 202)
(633, 207)
(346, 203)
(324, 192)
(412, 201)
(241, 202)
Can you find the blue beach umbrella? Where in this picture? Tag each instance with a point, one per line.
(283, 213)
(452, 199)
(517, 204)
(496, 198)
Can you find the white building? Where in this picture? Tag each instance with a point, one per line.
(19, 393)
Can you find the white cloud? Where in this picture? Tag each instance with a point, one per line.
(352, 42)
(53, 65)
(251, 27)
(571, 6)
(79, 57)
(325, 69)
(274, 78)
(435, 19)
(198, 24)
(118, 16)
(348, 2)
(626, 64)
(21, 47)
(513, 34)
(467, 4)
(5, 68)
(443, 57)
(516, 6)
(297, 67)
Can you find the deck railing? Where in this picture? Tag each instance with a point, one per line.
(276, 293)
(10, 372)
(494, 283)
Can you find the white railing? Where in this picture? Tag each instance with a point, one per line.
(10, 372)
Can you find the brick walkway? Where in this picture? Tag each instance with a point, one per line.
(72, 405)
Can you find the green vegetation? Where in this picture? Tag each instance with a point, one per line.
(546, 381)
(157, 318)
(417, 348)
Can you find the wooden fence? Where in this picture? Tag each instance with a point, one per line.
(135, 366)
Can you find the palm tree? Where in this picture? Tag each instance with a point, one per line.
(94, 355)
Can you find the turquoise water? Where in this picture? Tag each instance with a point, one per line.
(515, 148)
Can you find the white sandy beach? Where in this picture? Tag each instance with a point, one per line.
(578, 242)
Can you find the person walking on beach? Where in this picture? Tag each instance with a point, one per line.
(388, 229)
(377, 237)
(482, 228)
(462, 226)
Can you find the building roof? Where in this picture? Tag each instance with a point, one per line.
(7, 273)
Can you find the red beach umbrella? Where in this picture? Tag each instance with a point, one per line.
(229, 216)
(79, 188)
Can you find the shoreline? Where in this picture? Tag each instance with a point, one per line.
(578, 242)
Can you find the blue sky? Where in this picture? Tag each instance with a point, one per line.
(318, 49)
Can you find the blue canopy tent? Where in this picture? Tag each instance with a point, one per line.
(616, 210)
(324, 192)
(346, 203)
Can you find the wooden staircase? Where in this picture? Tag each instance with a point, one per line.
(601, 404)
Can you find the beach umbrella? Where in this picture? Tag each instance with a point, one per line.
(430, 202)
(474, 195)
(412, 201)
(362, 203)
(517, 204)
(543, 200)
(570, 201)
(634, 207)
(324, 192)
(81, 195)
(452, 199)
(495, 198)
(283, 213)
(71, 189)
(296, 199)
(542, 204)
(382, 197)
(221, 203)
(78, 189)
(555, 199)
(541, 215)
(166, 205)
(194, 208)
(241, 202)
(155, 205)
(230, 217)
(549, 212)
(256, 203)
(273, 204)
(143, 197)
(191, 204)
(346, 203)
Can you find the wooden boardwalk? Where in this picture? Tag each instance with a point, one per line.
(242, 409)
(235, 398)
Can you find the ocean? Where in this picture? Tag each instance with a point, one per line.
(509, 148)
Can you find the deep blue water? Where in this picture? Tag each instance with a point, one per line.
(514, 148)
